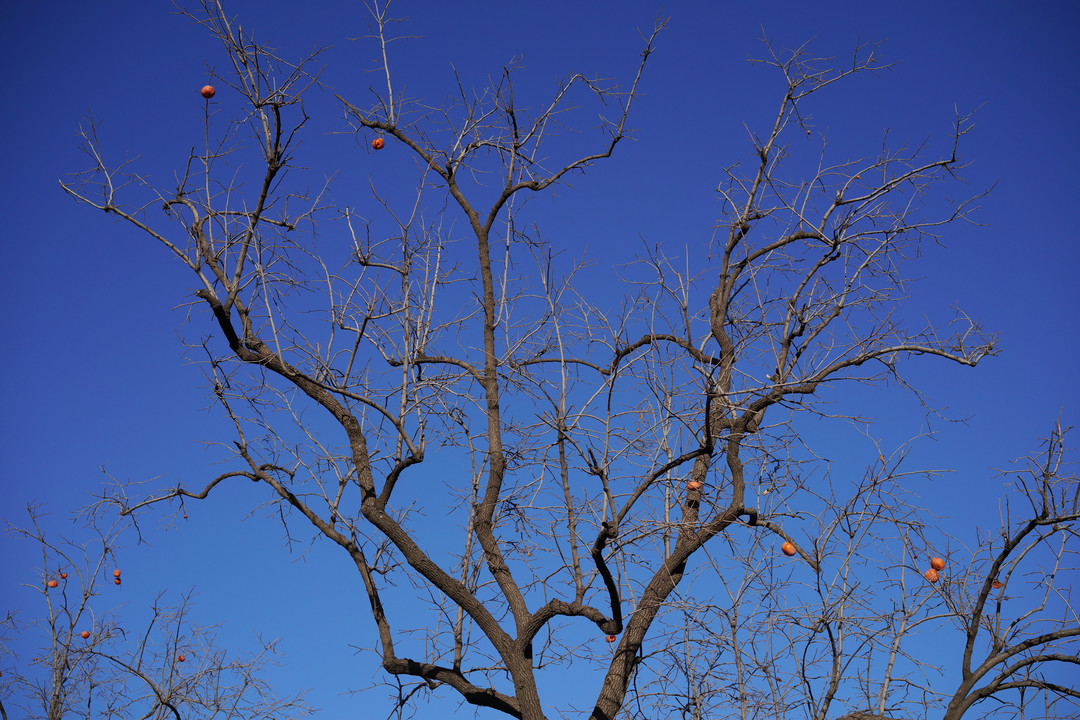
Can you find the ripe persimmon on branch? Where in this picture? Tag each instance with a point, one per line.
(621, 470)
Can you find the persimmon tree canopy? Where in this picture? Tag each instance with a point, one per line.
(560, 472)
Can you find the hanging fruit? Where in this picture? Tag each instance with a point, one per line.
(52, 583)
(63, 576)
(937, 563)
(208, 91)
(116, 573)
(84, 634)
(788, 549)
(931, 575)
(611, 638)
(378, 143)
(181, 658)
(116, 581)
(997, 584)
(694, 485)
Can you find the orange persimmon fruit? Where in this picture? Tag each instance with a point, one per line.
(611, 638)
(63, 576)
(378, 144)
(52, 583)
(84, 634)
(937, 563)
(208, 91)
(694, 485)
(931, 575)
(788, 549)
(116, 573)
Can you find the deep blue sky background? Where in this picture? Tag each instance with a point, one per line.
(92, 362)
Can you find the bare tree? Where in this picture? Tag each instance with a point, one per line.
(1029, 562)
(599, 455)
(94, 663)
(799, 644)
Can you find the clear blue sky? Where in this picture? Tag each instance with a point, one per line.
(92, 361)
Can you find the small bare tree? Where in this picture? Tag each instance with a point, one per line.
(599, 455)
(95, 664)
